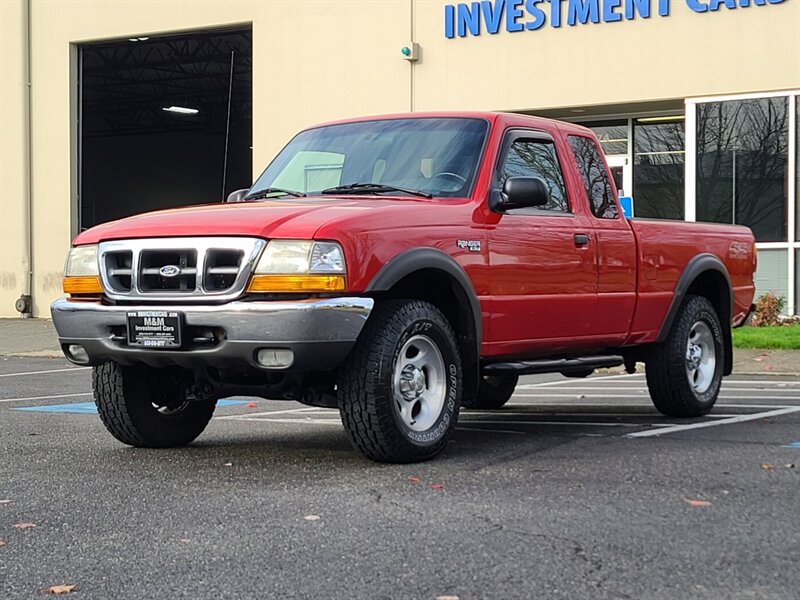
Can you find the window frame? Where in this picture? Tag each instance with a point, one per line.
(536, 135)
(582, 183)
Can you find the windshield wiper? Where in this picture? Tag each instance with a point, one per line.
(260, 194)
(373, 188)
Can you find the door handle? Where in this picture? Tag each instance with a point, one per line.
(581, 239)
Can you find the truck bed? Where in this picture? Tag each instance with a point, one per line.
(665, 248)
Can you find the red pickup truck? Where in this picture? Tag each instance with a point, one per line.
(399, 268)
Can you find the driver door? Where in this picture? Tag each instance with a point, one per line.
(543, 277)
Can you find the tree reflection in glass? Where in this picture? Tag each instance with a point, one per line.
(742, 156)
(658, 172)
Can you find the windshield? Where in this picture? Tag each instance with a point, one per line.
(437, 156)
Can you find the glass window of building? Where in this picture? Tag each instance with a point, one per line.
(613, 136)
(742, 160)
(797, 174)
(659, 153)
(771, 276)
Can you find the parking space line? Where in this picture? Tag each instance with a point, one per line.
(729, 421)
(45, 372)
(576, 423)
(778, 382)
(756, 405)
(307, 409)
(562, 382)
(482, 430)
(644, 390)
(642, 395)
(548, 395)
(308, 421)
(32, 398)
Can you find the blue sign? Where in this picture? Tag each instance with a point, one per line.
(471, 18)
(626, 202)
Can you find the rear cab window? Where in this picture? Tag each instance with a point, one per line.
(594, 175)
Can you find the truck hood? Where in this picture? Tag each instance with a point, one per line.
(297, 218)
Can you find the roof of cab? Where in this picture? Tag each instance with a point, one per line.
(508, 119)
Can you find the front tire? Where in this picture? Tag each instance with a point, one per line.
(400, 388)
(684, 373)
(147, 407)
(493, 392)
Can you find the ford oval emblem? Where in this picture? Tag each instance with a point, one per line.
(169, 271)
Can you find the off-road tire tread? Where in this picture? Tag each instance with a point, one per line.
(115, 386)
(109, 395)
(665, 369)
(369, 424)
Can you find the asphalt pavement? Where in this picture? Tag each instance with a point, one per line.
(577, 489)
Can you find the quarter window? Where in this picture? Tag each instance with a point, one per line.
(537, 158)
(592, 168)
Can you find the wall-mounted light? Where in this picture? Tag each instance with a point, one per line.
(410, 52)
(181, 110)
(139, 39)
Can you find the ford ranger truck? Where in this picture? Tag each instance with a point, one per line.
(399, 268)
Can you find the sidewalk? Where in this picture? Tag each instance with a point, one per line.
(37, 337)
(28, 337)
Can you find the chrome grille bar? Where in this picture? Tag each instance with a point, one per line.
(187, 269)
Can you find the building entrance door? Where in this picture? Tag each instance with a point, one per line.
(622, 173)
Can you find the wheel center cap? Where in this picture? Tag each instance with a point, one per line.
(694, 355)
(412, 382)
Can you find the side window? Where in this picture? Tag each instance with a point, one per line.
(592, 168)
(537, 158)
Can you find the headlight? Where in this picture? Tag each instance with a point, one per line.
(286, 257)
(299, 266)
(82, 261)
(82, 273)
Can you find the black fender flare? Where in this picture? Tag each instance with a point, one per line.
(418, 259)
(696, 267)
(427, 258)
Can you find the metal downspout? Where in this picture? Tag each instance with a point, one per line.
(25, 303)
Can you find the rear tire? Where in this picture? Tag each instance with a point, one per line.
(148, 407)
(400, 388)
(684, 373)
(493, 392)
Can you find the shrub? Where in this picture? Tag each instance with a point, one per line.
(768, 310)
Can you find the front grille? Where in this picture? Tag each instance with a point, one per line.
(179, 269)
(119, 270)
(168, 270)
(222, 267)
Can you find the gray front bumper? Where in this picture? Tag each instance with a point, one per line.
(320, 332)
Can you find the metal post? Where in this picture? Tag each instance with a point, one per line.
(227, 129)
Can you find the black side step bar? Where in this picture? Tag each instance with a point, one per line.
(559, 365)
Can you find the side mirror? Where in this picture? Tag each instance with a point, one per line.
(237, 196)
(520, 192)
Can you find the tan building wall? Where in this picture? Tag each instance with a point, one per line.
(316, 60)
(685, 54)
(13, 154)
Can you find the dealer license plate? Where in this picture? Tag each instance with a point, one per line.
(154, 328)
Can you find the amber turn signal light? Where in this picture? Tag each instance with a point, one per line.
(297, 283)
(82, 285)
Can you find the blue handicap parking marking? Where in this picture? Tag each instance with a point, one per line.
(83, 408)
(88, 408)
(793, 445)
